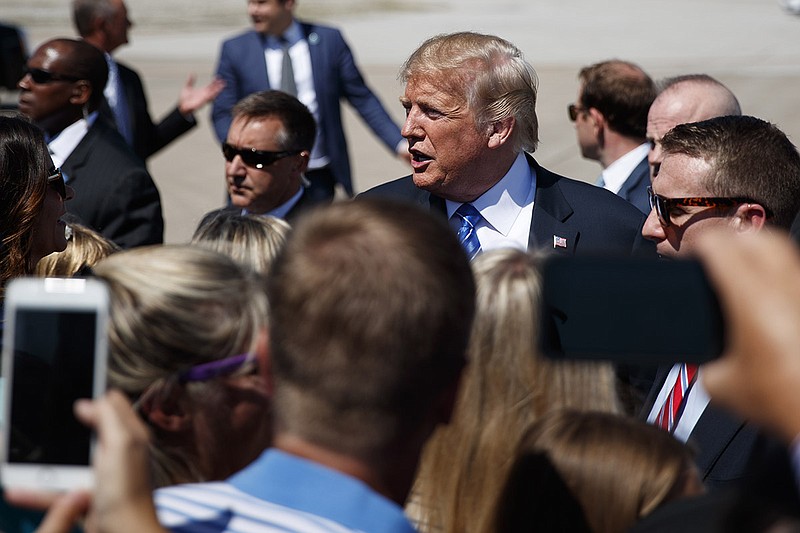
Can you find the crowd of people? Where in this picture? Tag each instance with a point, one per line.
(372, 364)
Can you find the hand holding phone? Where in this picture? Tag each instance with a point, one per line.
(54, 352)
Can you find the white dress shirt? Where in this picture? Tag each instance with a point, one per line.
(696, 403)
(506, 209)
(616, 174)
(303, 79)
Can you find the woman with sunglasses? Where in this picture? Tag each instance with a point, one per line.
(32, 197)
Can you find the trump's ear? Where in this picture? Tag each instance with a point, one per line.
(749, 218)
(500, 132)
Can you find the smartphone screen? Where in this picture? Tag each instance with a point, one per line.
(53, 366)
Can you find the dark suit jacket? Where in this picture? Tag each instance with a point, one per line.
(114, 194)
(635, 187)
(591, 219)
(336, 77)
(724, 444)
(148, 138)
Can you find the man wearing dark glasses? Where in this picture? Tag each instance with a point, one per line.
(734, 172)
(61, 92)
(266, 155)
(610, 117)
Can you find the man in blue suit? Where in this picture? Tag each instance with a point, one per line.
(610, 117)
(322, 73)
(470, 103)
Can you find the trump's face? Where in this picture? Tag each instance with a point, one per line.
(448, 152)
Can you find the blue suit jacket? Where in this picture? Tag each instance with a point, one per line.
(635, 187)
(591, 219)
(243, 67)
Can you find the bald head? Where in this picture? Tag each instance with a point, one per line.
(683, 100)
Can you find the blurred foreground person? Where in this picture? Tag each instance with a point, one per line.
(253, 240)
(32, 200)
(618, 469)
(506, 387)
(85, 247)
(371, 307)
(187, 336)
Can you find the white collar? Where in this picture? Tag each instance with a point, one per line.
(502, 203)
(62, 145)
(615, 174)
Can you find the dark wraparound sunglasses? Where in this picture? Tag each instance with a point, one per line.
(664, 205)
(56, 182)
(255, 158)
(41, 76)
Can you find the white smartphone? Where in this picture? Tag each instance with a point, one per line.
(55, 350)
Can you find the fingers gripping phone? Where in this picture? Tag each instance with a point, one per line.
(54, 352)
(629, 310)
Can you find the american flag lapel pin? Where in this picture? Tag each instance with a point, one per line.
(559, 242)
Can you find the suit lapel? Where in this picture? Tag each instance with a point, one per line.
(550, 210)
(255, 61)
(80, 155)
(314, 50)
(713, 433)
(635, 179)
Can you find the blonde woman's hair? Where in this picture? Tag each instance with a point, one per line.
(619, 469)
(174, 307)
(253, 240)
(506, 387)
(85, 247)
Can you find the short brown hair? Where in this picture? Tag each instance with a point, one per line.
(299, 126)
(749, 157)
(622, 92)
(371, 303)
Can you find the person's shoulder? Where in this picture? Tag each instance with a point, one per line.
(580, 194)
(240, 38)
(215, 505)
(322, 29)
(398, 188)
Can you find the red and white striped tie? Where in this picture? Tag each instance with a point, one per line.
(668, 415)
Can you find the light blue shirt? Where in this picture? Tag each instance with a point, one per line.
(284, 492)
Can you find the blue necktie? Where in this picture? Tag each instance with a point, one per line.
(466, 232)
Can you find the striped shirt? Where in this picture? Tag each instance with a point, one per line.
(280, 492)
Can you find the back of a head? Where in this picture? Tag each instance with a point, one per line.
(173, 307)
(84, 13)
(506, 387)
(85, 247)
(371, 304)
(622, 92)
(253, 240)
(24, 162)
(489, 72)
(749, 157)
(619, 469)
(700, 95)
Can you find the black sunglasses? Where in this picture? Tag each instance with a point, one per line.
(255, 158)
(573, 110)
(41, 76)
(664, 205)
(56, 182)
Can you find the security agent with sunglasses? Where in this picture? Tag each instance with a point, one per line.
(735, 172)
(266, 154)
(61, 93)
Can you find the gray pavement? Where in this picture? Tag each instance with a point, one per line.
(750, 45)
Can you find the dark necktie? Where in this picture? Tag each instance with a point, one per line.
(287, 72)
(469, 218)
